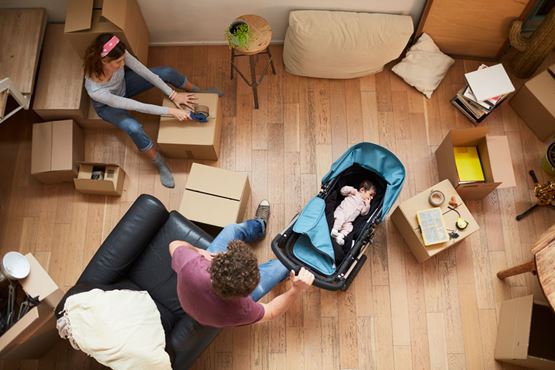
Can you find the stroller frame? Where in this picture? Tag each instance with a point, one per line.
(353, 260)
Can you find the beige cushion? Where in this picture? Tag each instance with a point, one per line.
(120, 329)
(424, 66)
(334, 44)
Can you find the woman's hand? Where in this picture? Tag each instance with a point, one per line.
(180, 114)
(186, 99)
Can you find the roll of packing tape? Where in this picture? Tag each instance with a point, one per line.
(436, 198)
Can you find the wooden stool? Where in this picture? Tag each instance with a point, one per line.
(543, 265)
(260, 35)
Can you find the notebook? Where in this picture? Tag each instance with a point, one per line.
(490, 82)
(468, 164)
(432, 226)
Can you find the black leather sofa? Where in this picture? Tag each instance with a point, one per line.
(135, 256)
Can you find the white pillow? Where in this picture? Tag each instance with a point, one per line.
(120, 329)
(424, 66)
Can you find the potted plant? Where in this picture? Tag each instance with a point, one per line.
(237, 34)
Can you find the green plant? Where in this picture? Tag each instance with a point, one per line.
(237, 35)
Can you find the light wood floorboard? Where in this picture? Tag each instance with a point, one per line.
(398, 314)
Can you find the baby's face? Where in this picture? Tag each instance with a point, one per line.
(367, 194)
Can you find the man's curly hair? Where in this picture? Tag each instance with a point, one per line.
(235, 273)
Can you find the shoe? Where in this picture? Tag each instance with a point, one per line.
(334, 233)
(263, 211)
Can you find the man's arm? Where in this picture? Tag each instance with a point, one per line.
(279, 305)
(181, 243)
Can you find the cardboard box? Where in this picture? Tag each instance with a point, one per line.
(191, 139)
(99, 178)
(535, 103)
(35, 332)
(214, 196)
(86, 19)
(59, 91)
(404, 218)
(56, 149)
(525, 334)
(494, 155)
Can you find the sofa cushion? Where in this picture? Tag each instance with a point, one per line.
(336, 44)
(119, 328)
(424, 66)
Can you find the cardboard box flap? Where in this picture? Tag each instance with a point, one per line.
(467, 136)
(38, 283)
(513, 333)
(216, 181)
(209, 210)
(447, 167)
(41, 152)
(78, 15)
(62, 145)
(100, 164)
(501, 165)
(115, 11)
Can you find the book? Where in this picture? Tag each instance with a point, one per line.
(468, 164)
(432, 226)
(489, 83)
(462, 108)
(477, 111)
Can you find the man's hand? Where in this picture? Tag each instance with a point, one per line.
(186, 99)
(302, 281)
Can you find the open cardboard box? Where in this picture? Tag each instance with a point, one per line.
(99, 178)
(494, 155)
(33, 334)
(525, 334)
(191, 139)
(86, 19)
(535, 103)
(214, 196)
(56, 149)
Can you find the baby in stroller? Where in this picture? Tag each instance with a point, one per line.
(356, 202)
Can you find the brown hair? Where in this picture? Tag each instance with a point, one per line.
(235, 273)
(367, 185)
(92, 62)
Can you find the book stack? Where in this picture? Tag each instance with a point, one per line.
(487, 87)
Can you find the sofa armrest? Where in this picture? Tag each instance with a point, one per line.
(188, 231)
(126, 241)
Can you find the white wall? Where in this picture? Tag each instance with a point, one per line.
(204, 21)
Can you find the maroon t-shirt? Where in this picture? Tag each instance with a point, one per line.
(198, 299)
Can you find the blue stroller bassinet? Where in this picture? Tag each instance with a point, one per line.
(306, 241)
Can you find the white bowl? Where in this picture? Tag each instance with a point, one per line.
(15, 266)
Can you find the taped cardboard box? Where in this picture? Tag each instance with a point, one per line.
(56, 149)
(495, 158)
(33, 334)
(404, 218)
(525, 334)
(535, 103)
(192, 139)
(214, 196)
(86, 19)
(99, 178)
(59, 91)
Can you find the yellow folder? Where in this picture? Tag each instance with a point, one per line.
(468, 164)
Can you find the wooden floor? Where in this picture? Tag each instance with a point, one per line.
(398, 314)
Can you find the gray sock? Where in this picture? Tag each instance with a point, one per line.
(166, 176)
(211, 90)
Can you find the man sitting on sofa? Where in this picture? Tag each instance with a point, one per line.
(219, 286)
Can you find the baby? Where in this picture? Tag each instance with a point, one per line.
(356, 202)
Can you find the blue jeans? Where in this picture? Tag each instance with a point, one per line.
(271, 272)
(134, 85)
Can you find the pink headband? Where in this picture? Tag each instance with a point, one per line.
(109, 46)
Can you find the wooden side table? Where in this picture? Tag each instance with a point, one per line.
(260, 35)
(543, 265)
